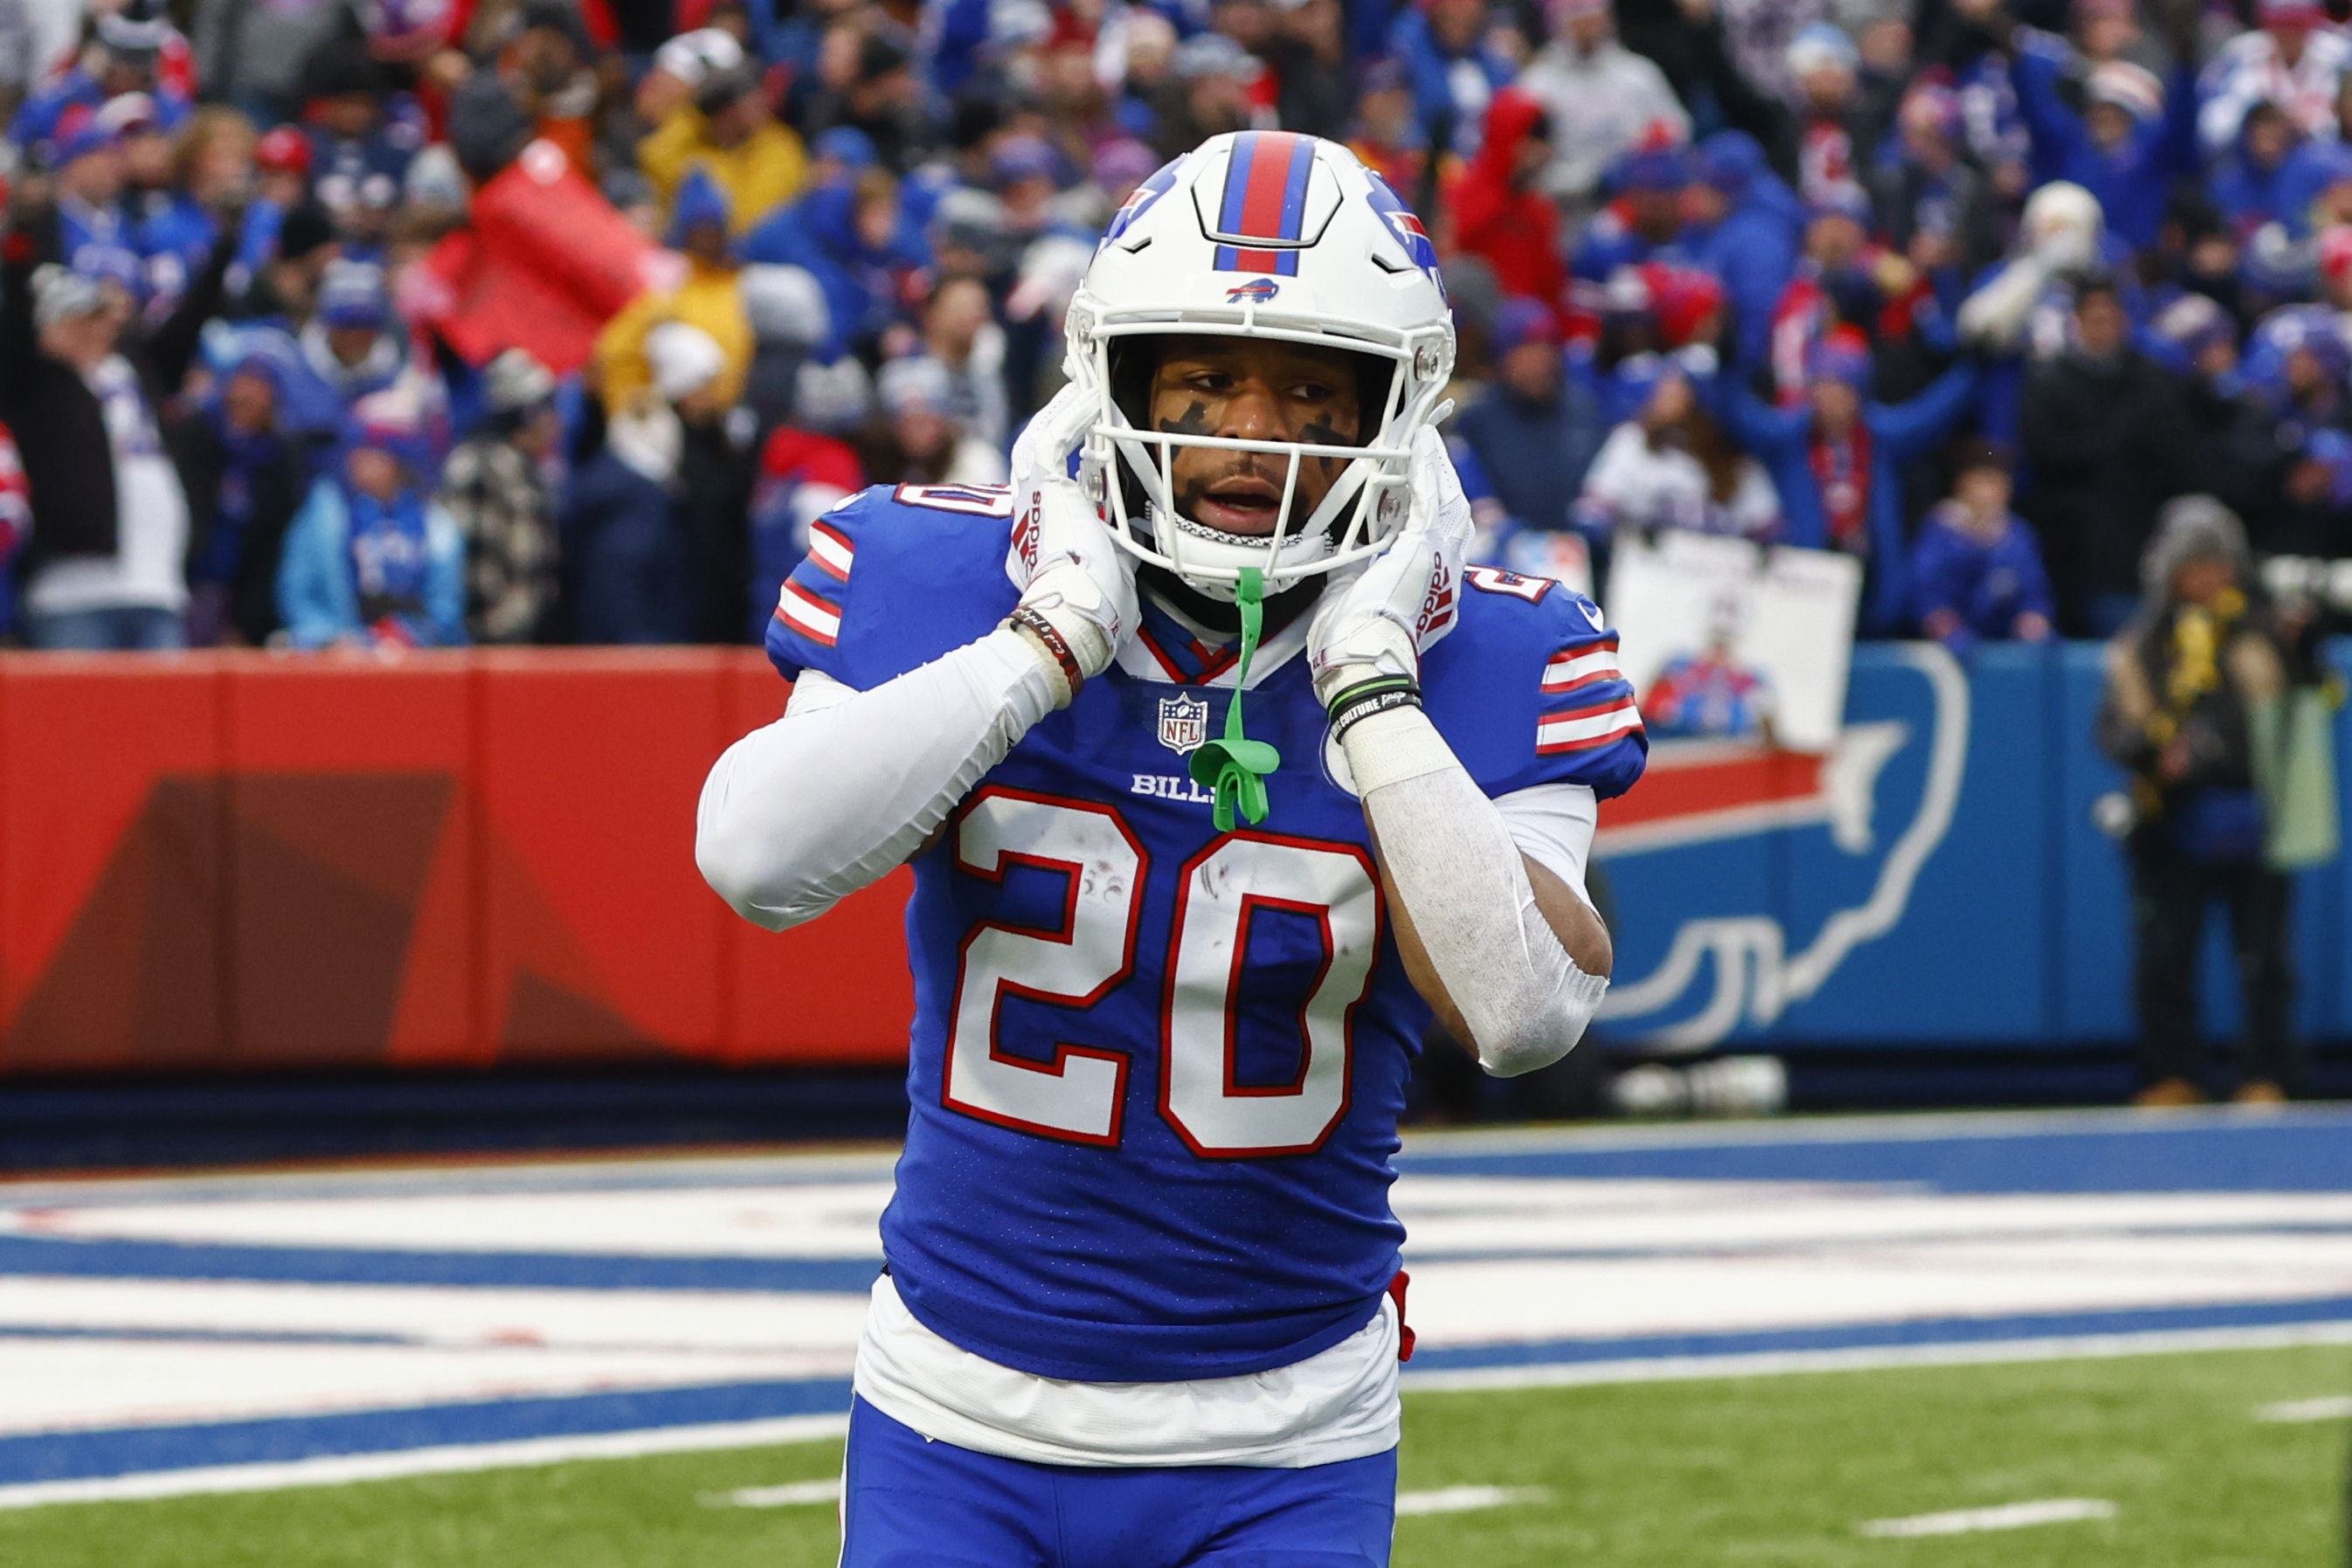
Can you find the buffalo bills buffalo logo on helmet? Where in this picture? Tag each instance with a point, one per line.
(1418, 247)
(1139, 202)
(1257, 291)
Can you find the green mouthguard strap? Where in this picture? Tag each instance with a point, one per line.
(1235, 766)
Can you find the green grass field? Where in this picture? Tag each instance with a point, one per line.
(1766, 1471)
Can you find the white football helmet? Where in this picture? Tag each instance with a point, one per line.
(1268, 235)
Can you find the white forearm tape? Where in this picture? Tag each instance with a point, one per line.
(798, 816)
(1455, 867)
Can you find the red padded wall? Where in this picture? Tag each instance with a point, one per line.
(113, 903)
(236, 860)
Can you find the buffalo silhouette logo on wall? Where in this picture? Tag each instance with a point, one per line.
(1745, 876)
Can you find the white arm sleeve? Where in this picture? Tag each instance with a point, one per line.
(1553, 824)
(1452, 855)
(799, 815)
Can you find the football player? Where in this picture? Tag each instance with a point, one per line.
(1172, 959)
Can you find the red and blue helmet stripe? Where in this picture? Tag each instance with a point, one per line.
(1265, 200)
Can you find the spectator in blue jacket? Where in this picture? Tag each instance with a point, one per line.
(352, 344)
(1538, 425)
(2133, 137)
(1644, 223)
(1745, 227)
(1837, 461)
(1975, 568)
(623, 552)
(853, 235)
(2249, 182)
(1453, 67)
(371, 559)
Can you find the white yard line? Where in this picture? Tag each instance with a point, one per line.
(1675, 1369)
(2335, 1409)
(1464, 1499)
(2007, 1516)
(334, 1469)
(792, 1494)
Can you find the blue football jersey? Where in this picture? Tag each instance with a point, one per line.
(1155, 1069)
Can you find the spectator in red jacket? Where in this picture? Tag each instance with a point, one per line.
(1500, 208)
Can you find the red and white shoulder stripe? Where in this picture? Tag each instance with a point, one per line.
(1583, 728)
(830, 552)
(1587, 664)
(814, 617)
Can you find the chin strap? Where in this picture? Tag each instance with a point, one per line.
(1235, 766)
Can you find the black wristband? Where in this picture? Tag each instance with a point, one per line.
(1055, 644)
(1371, 687)
(1356, 703)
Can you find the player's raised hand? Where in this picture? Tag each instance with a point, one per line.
(1377, 625)
(1074, 579)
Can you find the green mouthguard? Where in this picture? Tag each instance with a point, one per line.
(1235, 766)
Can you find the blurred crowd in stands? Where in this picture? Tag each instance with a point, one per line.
(444, 321)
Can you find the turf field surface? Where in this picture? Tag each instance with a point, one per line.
(1736, 1472)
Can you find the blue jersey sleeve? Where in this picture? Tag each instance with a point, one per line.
(895, 577)
(1527, 690)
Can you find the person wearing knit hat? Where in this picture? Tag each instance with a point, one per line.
(1745, 225)
(699, 221)
(1822, 64)
(64, 299)
(126, 57)
(1841, 359)
(2197, 336)
(725, 126)
(349, 344)
(1837, 460)
(372, 561)
(924, 442)
(94, 235)
(1644, 218)
(1538, 427)
(1975, 568)
(2131, 140)
(709, 299)
(843, 153)
(683, 361)
(494, 486)
(679, 68)
(2191, 683)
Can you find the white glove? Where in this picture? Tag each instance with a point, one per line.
(1995, 315)
(1381, 623)
(1071, 571)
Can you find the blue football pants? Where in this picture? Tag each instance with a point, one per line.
(910, 1502)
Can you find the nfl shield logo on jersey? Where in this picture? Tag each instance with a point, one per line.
(1183, 724)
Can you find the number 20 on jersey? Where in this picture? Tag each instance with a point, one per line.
(1080, 1096)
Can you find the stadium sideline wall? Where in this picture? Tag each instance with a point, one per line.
(232, 861)
(246, 860)
(1938, 882)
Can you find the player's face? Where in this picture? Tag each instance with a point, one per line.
(1251, 389)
